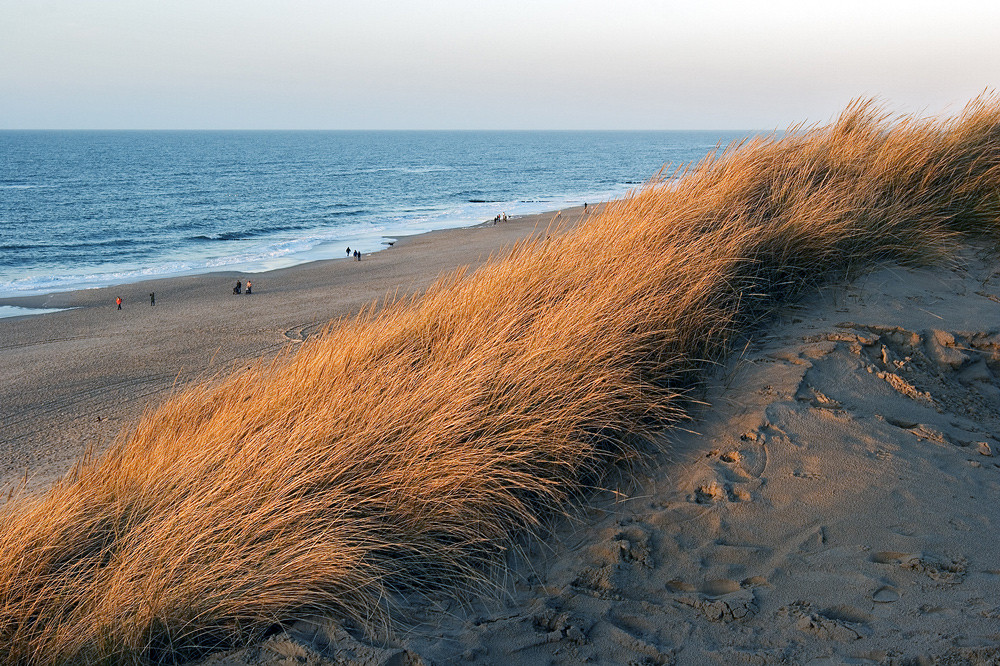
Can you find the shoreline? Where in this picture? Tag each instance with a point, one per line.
(77, 378)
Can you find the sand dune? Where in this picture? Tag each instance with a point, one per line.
(837, 501)
(820, 514)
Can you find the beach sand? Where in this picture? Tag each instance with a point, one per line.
(836, 501)
(75, 379)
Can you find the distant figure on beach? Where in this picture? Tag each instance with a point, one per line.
(152, 299)
(584, 206)
(119, 302)
(238, 288)
(357, 255)
(496, 219)
(504, 216)
(248, 288)
(348, 250)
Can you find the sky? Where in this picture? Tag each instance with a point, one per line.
(486, 64)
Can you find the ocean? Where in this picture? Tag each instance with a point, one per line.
(82, 209)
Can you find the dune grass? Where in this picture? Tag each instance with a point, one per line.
(407, 448)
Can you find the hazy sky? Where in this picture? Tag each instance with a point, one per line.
(580, 64)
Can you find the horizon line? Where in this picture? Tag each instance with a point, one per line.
(375, 129)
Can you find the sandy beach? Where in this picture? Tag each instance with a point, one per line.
(834, 502)
(75, 379)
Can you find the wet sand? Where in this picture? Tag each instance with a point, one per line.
(75, 379)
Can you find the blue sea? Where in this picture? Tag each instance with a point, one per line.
(83, 209)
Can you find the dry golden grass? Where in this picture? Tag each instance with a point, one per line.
(407, 448)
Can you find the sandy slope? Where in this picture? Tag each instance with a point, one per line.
(839, 503)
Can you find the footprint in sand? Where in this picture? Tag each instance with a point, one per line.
(811, 395)
(753, 455)
(944, 570)
(885, 595)
(710, 493)
(719, 600)
(731, 467)
(840, 623)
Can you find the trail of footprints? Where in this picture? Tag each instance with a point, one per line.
(952, 374)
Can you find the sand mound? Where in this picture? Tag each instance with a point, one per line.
(838, 504)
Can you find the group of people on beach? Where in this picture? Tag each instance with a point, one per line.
(238, 289)
(502, 217)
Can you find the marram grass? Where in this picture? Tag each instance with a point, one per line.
(405, 449)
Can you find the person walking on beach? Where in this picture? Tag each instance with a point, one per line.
(248, 288)
(348, 250)
(119, 302)
(357, 255)
(152, 299)
(239, 286)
